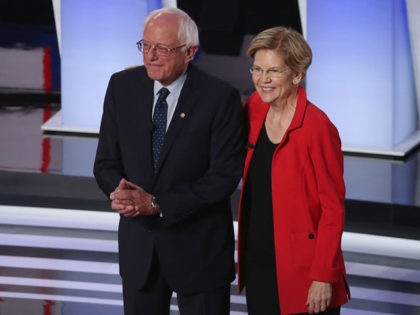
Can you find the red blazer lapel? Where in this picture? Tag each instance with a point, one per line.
(256, 117)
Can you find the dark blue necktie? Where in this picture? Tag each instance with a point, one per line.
(159, 125)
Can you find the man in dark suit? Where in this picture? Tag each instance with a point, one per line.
(172, 189)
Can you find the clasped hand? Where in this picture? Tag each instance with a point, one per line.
(131, 200)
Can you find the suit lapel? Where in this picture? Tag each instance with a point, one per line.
(147, 114)
(139, 120)
(184, 107)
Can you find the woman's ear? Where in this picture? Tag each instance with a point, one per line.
(298, 78)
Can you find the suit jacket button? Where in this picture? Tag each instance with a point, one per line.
(311, 236)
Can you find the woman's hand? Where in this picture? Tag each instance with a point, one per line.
(319, 297)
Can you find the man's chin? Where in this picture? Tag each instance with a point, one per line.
(154, 76)
(153, 71)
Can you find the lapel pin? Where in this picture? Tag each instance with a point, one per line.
(182, 115)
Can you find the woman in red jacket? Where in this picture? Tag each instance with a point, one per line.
(291, 214)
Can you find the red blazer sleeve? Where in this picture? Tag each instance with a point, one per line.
(327, 159)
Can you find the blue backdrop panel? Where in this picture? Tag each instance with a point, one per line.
(362, 72)
(98, 38)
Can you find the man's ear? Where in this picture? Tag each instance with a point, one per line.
(190, 52)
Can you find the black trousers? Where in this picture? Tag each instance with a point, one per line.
(330, 311)
(261, 292)
(155, 298)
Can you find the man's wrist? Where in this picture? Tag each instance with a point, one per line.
(155, 206)
(154, 203)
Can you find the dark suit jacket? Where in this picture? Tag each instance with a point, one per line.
(201, 165)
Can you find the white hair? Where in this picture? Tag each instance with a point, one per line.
(187, 32)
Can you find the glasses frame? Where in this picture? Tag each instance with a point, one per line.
(161, 49)
(273, 72)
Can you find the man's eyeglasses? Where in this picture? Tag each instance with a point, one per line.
(270, 72)
(161, 50)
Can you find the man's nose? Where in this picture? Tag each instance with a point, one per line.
(152, 53)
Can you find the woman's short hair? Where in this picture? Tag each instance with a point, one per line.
(290, 44)
(187, 32)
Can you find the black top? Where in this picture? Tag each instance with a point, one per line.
(260, 234)
(260, 264)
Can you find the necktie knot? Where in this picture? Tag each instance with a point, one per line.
(163, 93)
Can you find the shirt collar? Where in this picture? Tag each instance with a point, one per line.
(174, 88)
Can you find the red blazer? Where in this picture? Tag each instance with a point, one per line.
(308, 204)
